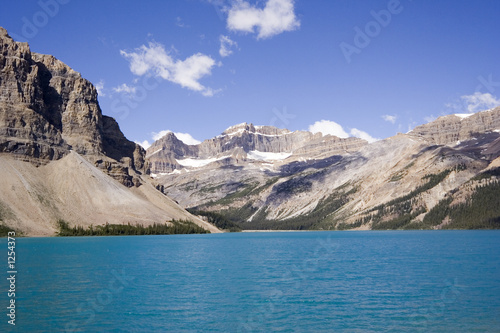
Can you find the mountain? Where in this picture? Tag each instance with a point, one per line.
(246, 143)
(443, 174)
(61, 158)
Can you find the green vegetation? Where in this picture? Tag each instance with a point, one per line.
(176, 227)
(436, 215)
(247, 189)
(4, 230)
(480, 211)
(404, 207)
(219, 220)
(211, 189)
(188, 186)
(268, 183)
(238, 215)
(488, 174)
(347, 226)
(322, 217)
(397, 176)
(6, 213)
(400, 222)
(293, 186)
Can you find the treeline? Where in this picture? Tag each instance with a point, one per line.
(4, 231)
(480, 211)
(219, 220)
(175, 227)
(321, 218)
(404, 207)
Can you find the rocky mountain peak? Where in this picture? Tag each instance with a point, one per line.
(239, 128)
(246, 144)
(252, 129)
(458, 127)
(48, 109)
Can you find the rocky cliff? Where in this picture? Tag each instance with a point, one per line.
(48, 109)
(61, 158)
(458, 127)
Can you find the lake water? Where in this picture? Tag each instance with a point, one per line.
(410, 281)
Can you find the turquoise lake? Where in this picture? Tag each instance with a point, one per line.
(373, 281)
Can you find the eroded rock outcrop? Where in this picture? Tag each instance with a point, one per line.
(48, 109)
(459, 127)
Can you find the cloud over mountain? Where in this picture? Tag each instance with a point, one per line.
(154, 60)
(480, 101)
(328, 127)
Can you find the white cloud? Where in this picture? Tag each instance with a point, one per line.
(276, 17)
(153, 59)
(184, 137)
(389, 118)
(225, 46)
(100, 88)
(326, 127)
(179, 23)
(145, 144)
(480, 102)
(124, 88)
(363, 135)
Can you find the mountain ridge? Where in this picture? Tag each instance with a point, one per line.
(246, 141)
(409, 173)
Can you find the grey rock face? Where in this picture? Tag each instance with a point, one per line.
(453, 128)
(48, 109)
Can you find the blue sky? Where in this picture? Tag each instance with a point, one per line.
(351, 68)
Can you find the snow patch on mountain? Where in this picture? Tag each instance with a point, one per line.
(198, 163)
(463, 115)
(264, 156)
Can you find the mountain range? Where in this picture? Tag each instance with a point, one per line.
(443, 174)
(61, 159)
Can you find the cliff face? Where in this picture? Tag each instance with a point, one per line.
(243, 142)
(48, 109)
(460, 127)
